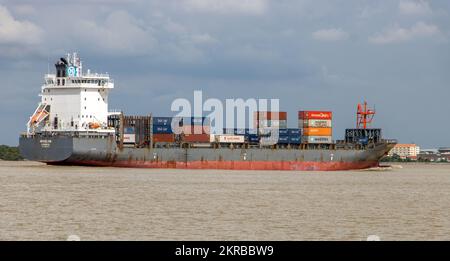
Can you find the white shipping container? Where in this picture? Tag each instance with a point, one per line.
(315, 124)
(273, 123)
(317, 139)
(230, 139)
(212, 137)
(129, 138)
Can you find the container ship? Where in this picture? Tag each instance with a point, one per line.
(73, 126)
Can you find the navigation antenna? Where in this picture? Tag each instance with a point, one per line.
(364, 116)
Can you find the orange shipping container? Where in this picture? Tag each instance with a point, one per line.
(204, 138)
(317, 132)
(315, 115)
(163, 138)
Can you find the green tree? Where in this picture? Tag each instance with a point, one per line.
(9, 153)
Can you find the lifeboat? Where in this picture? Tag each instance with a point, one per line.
(94, 125)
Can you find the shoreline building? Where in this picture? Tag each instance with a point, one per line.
(435, 155)
(405, 151)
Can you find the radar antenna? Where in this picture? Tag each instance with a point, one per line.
(364, 116)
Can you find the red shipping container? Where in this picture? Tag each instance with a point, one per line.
(270, 115)
(163, 138)
(315, 115)
(196, 129)
(203, 138)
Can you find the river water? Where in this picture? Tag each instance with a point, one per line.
(40, 202)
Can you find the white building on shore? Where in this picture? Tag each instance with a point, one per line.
(405, 151)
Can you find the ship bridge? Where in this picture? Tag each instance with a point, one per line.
(72, 100)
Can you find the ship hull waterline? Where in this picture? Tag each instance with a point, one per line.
(104, 152)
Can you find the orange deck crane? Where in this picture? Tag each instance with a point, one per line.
(364, 116)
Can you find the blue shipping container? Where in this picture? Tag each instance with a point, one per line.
(253, 138)
(196, 121)
(239, 132)
(164, 121)
(294, 131)
(282, 132)
(228, 131)
(162, 129)
(251, 131)
(295, 140)
(283, 140)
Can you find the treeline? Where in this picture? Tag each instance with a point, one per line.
(9, 153)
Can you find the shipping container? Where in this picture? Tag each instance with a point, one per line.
(196, 129)
(129, 138)
(228, 131)
(283, 132)
(283, 140)
(196, 121)
(293, 132)
(251, 131)
(253, 138)
(239, 131)
(315, 123)
(317, 139)
(317, 132)
(170, 138)
(295, 140)
(162, 129)
(230, 138)
(282, 124)
(203, 138)
(245, 131)
(164, 121)
(315, 115)
(270, 115)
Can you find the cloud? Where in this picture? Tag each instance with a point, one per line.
(24, 10)
(330, 35)
(14, 32)
(120, 34)
(252, 7)
(397, 34)
(203, 39)
(408, 7)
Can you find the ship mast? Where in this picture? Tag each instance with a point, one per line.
(364, 116)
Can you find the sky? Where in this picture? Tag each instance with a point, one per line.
(312, 55)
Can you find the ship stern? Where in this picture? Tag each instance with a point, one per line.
(47, 149)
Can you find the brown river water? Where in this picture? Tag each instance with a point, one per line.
(40, 202)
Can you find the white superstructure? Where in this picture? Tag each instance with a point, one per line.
(72, 100)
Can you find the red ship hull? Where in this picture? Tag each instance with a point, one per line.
(232, 165)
